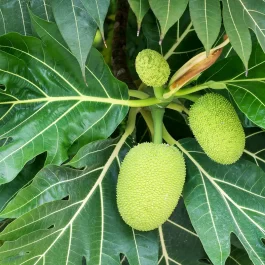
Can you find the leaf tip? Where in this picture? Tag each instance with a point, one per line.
(103, 38)
(246, 73)
(105, 43)
(138, 28)
(246, 69)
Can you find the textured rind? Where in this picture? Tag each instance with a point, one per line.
(152, 68)
(149, 185)
(217, 128)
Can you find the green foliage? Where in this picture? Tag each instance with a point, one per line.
(168, 12)
(59, 219)
(206, 18)
(140, 8)
(231, 199)
(15, 15)
(67, 123)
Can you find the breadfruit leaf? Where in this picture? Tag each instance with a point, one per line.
(239, 16)
(168, 12)
(247, 91)
(14, 15)
(237, 29)
(177, 237)
(238, 256)
(222, 200)
(97, 10)
(139, 8)
(77, 26)
(9, 190)
(46, 106)
(206, 19)
(69, 213)
(42, 8)
(255, 147)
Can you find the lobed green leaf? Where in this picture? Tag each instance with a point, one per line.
(222, 200)
(255, 147)
(67, 215)
(239, 16)
(46, 106)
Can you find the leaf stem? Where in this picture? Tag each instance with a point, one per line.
(123, 102)
(157, 115)
(131, 122)
(178, 107)
(167, 137)
(142, 102)
(138, 94)
(159, 91)
(170, 140)
(192, 97)
(190, 90)
(148, 120)
(142, 86)
(179, 40)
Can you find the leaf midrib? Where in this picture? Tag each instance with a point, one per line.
(238, 34)
(47, 65)
(254, 21)
(82, 98)
(91, 192)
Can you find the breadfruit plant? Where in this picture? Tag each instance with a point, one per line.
(132, 132)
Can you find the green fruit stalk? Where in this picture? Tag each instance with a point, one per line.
(217, 128)
(149, 185)
(152, 68)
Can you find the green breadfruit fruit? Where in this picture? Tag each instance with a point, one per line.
(152, 68)
(217, 128)
(149, 185)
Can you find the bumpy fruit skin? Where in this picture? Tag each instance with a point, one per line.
(152, 68)
(217, 128)
(149, 185)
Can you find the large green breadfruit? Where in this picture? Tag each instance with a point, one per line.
(152, 68)
(149, 185)
(217, 128)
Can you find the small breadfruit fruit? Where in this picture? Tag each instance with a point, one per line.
(152, 68)
(149, 185)
(217, 128)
